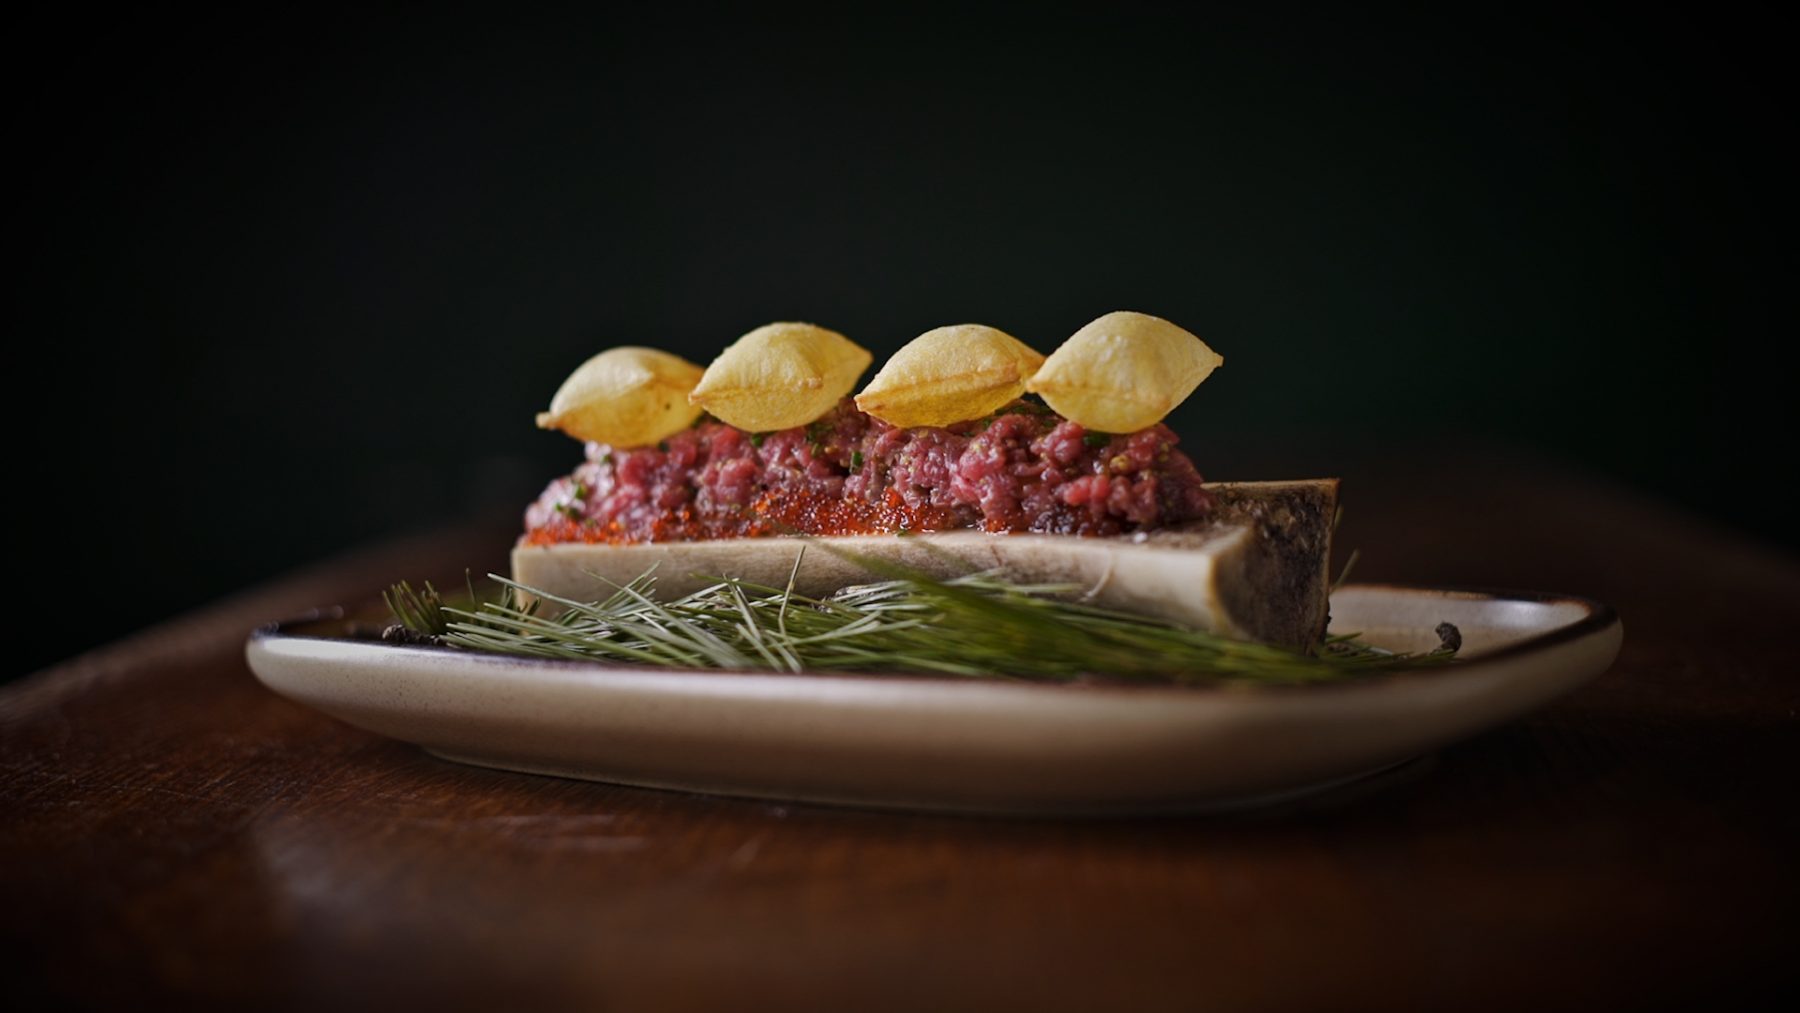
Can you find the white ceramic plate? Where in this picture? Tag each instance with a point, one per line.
(935, 743)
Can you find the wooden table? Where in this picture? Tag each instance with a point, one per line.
(171, 832)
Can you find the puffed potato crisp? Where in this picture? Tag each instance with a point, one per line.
(780, 376)
(1123, 372)
(625, 397)
(950, 374)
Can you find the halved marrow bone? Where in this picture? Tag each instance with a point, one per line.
(1257, 569)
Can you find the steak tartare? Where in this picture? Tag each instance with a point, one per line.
(1024, 468)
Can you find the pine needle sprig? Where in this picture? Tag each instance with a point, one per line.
(975, 626)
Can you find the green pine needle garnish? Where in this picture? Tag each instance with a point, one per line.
(975, 626)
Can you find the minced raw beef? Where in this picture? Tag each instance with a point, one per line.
(1025, 468)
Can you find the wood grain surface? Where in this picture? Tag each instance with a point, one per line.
(173, 834)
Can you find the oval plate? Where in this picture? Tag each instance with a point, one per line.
(946, 744)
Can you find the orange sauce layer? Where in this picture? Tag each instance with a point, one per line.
(785, 513)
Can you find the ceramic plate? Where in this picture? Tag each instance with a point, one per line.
(936, 743)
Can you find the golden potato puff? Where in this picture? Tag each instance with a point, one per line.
(780, 376)
(950, 374)
(625, 397)
(1123, 372)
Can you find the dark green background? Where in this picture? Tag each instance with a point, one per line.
(299, 283)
